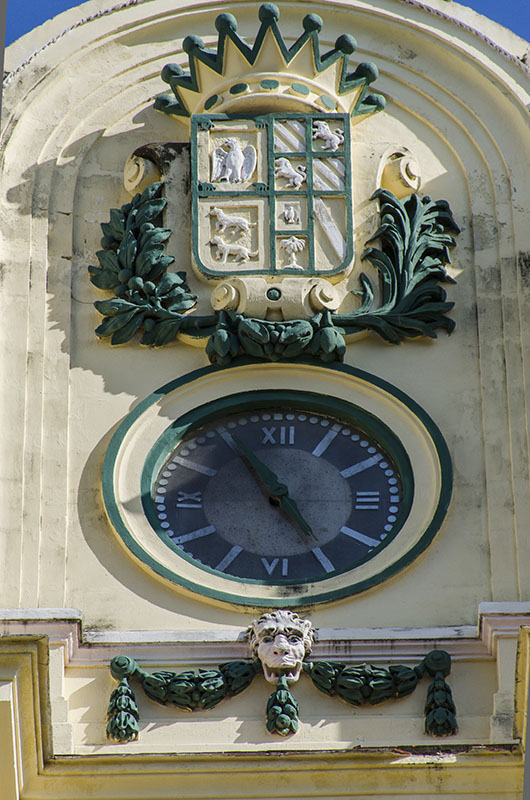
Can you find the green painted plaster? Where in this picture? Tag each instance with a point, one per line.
(327, 101)
(238, 88)
(269, 83)
(226, 24)
(211, 101)
(357, 685)
(300, 88)
(297, 599)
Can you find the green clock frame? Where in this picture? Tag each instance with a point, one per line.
(144, 440)
(284, 399)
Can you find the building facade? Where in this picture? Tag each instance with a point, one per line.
(264, 403)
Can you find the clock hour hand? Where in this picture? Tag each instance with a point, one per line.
(278, 492)
(290, 509)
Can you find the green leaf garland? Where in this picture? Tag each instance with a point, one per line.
(354, 684)
(415, 236)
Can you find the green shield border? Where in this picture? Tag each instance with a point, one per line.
(269, 192)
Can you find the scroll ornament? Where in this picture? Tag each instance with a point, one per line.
(280, 642)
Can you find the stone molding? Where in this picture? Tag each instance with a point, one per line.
(35, 642)
(63, 627)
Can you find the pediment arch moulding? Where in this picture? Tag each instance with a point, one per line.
(75, 169)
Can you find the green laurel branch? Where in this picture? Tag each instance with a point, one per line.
(415, 237)
(133, 264)
(363, 683)
(282, 710)
(368, 684)
(122, 714)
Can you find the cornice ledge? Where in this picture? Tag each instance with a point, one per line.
(63, 627)
(501, 620)
(33, 614)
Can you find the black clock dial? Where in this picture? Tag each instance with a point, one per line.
(279, 495)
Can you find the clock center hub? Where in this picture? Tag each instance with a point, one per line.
(245, 515)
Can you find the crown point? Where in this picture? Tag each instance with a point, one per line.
(268, 12)
(226, 22)
(312, 22)
(189, 97)
(368, 71)
(346, 44)
(374, 102)
(170, 71)
(191, 43)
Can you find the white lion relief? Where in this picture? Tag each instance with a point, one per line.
(294, 177)
(281, 640)
(333, 140)
(233, 164)
(225, 222)
(224, 250)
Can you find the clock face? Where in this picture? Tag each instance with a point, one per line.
(279, 493)
(276, 497)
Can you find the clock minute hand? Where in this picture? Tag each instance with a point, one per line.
(278, 492)
(264, 475)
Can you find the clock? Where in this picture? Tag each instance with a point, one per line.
(280, 487)
(314, 484)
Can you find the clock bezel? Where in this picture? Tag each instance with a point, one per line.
(137, 434)
(245, 402)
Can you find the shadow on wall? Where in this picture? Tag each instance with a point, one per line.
(78, 192)
(124, 570)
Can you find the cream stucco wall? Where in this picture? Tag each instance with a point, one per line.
(76, 105)
(77, 135)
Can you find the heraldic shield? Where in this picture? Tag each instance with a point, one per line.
(271, 194)
(272, 210)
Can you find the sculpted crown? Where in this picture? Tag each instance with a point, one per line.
(237, 76)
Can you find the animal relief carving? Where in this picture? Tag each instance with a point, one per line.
(224, 250)
(226, 222)
(294, 177)
(291, 213)
(281, 640)
(233, 164)
(321, 130)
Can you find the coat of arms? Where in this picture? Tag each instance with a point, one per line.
(272, 212)
(274, 197)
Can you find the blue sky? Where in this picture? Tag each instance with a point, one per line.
(22, 15)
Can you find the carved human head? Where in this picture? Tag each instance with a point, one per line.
(281, 640)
